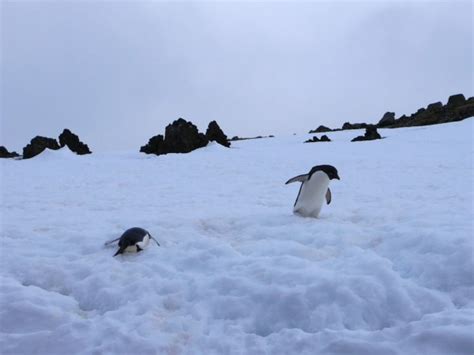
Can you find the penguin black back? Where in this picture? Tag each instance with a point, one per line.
(134, 239)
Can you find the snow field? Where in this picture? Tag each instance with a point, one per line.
(386, 269)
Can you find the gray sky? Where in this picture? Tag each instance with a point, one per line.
(116, 73)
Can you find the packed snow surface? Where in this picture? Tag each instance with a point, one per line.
(386, 269)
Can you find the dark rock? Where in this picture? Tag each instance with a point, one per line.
(457, 108)
(315, 139)
(456, 100)
(69, 139)
(38, 145)
(403, 119)
(431, 107)
(181, 136)
(237, 138)
(4, 153)
(346, 125)
(214, 133)
(420, 110)
(321, 129)
(465, 111)
(156, 145)
(312, 140)
(387, 119)
(370, 134)
(349, 125)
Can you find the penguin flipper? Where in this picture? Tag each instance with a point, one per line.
(300, 178)
(328, 196)
(111, 241)
(155, 241)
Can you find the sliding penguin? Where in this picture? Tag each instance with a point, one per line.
(313, 190)
(133, 240)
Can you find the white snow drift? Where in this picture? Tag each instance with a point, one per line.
(386, 269)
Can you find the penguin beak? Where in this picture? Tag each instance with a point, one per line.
(120, 251)
(337, 177)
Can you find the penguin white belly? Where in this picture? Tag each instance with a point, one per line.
(143, 244)
(312, 195)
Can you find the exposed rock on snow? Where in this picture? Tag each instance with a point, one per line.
(183, 137)
(4, 153)
(69, 139)
(155, 145)
(321, 129)
(436, 106)
(349, 125)
(456, 100)
(214, 133)
(66, 138)
(315, 139)
(456, 109)
(370, 134)
(237, 138)
(387, 119)
(37, 145)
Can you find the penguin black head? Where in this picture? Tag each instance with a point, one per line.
(330, 171)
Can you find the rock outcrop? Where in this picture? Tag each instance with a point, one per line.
(72, 141)
(456, 109)
(214, 133)
(387, 119)
(37, 145)
(155, 145)
(320, 129)
(182, 136)
(4, 153)
(315, 139)
(237, 138)
(349, 125)
(370, 134)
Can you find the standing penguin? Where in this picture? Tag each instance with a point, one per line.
(133, 240)
(314, 188)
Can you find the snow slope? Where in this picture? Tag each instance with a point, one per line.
(386, 269)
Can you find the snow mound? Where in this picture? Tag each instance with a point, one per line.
(60, 154)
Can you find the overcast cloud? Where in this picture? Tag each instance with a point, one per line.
(117, 73)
